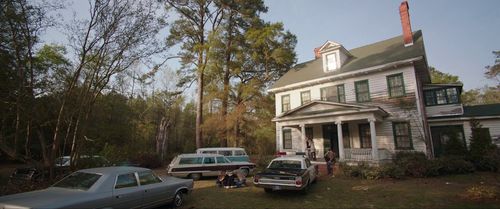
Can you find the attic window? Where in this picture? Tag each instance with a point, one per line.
(331, 61)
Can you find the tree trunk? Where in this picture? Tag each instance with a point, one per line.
(199, 111)
(227, 77)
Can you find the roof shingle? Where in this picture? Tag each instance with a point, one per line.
(379, 53)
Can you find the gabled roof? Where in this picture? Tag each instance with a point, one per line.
(383, 52)
(317, 108)
(328, 44)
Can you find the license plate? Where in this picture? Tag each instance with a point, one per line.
(276, 188)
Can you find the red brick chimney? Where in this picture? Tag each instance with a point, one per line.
(405, 22)
(316, 53)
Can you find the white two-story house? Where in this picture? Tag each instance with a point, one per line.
(366, 103)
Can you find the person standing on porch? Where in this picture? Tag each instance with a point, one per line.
(330, 161)
(311, 149)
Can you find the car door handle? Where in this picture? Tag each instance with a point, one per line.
(146, 190)
(118, 196)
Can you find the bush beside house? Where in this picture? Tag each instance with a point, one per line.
(411, 164)
(483, 153)
(482, 156)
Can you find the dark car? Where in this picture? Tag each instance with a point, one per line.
(287, 173)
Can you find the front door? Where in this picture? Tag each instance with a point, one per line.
(330, 138)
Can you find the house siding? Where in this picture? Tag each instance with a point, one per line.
(377, 83)
(400, 109)
(444, 110)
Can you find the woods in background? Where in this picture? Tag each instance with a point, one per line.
(99, 94)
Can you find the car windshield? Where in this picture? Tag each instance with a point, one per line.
(285, 164)
(78, 180)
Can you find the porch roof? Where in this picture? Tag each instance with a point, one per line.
(318, 108)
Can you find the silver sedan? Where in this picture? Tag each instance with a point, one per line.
(107, 187)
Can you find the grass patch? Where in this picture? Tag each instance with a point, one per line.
(343, 192)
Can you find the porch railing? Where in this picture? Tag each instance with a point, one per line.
(358, 154)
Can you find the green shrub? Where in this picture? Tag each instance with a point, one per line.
(413, 163)
(483, 154)
(433, 168)
(454, 165)
(392, 171)
(489, 162)
(374, 173)
(363, 171)
(416, 164)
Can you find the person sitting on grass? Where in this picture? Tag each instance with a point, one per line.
(228, 181)
(220, 179)
(241, 179)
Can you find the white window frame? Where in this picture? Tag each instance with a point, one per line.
(326, 66)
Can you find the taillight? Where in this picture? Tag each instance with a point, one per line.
(279, 154)
(298, 181)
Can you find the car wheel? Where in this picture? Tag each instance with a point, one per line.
(244, 171)
(268, 190)
(315, 180)
(178, 199)
(195, 176)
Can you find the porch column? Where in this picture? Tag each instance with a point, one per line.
(279, 137)
(373, 135)
(341, 139)
(303, 136)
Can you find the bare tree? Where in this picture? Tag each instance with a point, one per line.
(116, 35)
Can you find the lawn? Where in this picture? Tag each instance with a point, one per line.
(343, 192)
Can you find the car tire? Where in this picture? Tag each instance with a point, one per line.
(178, 200)
(195, 176)
(245, 171)
(268, 190)
(315, 180)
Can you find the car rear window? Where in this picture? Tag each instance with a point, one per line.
(239, 153)
(126, 180)
(190, 160)
(148, 177)
(225, 152)
(78, 180)
(285, 164)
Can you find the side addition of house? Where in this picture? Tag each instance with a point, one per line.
(366, 103)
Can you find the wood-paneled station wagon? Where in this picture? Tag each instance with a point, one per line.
(197, 165)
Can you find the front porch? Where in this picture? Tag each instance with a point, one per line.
(349, 130)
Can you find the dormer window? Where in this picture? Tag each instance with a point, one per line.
(331, 61)
(333, 55)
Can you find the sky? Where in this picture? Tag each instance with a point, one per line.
(459, 36)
